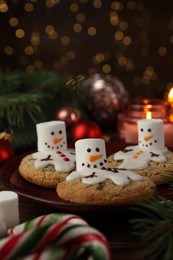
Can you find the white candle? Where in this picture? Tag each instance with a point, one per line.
(168, 132)
(9, 208)
(129, 132)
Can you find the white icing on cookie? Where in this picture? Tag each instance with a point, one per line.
(62, 160)
(135, 158)
(95, 176)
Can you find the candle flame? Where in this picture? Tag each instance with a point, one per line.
(170, 95)
(171, 118)
(148, 115)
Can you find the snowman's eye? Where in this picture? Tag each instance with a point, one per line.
(60, 132)
(52, 133)
(88, 150)
(97, 149)
(149, 130)
(142, 129)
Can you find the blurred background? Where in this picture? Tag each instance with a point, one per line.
(130, 40)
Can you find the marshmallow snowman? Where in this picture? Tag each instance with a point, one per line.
(90, 153)
(150, 146)
(151, 134)
(90, 165)
(51, 136)
(52, 147)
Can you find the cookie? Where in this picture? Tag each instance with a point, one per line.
(46, 176)
(91, 183)
(156, 171)
(150, 157)
(102, 187)
(53, 161)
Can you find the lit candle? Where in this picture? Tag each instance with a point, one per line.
(147, 111)
(168, 130)
(170, 101)
(148, 115)
(128, 131)
(170, 96)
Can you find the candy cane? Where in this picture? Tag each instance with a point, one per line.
(49, 253)
(68, 235)
(45, 219)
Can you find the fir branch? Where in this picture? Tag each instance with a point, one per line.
(14, 106)
(9, 81)
(22, 93)
(155, 227)
(42, 81)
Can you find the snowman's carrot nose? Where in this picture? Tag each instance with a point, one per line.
(94, 158)
(57, 140)
(148, 137)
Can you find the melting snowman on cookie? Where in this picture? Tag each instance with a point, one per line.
(52, 147)
(150, 146)
(91, 161)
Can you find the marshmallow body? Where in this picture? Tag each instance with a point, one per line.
(90, 153)
(51, 136)
(151, 134)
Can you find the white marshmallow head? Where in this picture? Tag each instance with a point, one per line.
(90, 153)
(151, 134)
(51, 136)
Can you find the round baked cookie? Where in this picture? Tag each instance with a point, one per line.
(155, 171)
(122, 188)
(45, 176)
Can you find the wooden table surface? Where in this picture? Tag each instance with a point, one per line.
(114, 225)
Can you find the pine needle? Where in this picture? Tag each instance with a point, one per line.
(14, 106)
(24, 94)
(155, 227)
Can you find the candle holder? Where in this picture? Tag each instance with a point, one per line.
(144, 108)
(169, 97)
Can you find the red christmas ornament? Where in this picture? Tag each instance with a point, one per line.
(6, 150)
(69, 115)
(85, 129)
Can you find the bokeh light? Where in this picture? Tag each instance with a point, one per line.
(130, 39)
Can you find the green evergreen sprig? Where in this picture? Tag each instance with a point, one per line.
(22, 94)
(9, 81)
(14, 106)
(154, 226)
